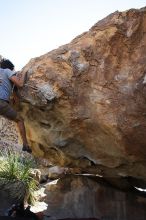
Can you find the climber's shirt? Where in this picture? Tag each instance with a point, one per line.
(5, 84)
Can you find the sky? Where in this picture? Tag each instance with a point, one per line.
(31, 28)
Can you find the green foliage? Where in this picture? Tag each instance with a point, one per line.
(13, 168)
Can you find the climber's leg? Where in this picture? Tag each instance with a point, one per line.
(20, 122)
(8, 112)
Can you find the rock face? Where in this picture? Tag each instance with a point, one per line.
(84, 103)
(81, 197)
(84, 106)
(9, 136)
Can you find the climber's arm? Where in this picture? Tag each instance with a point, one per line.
(15, 96)
(18, 79)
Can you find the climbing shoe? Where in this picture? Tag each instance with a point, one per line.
(27, 149)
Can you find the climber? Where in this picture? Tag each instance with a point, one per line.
(8, 79)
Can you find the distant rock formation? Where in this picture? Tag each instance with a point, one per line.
(9, 135)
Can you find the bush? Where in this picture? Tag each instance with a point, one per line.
(15, 168)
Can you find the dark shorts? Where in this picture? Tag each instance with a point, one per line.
(7, 111)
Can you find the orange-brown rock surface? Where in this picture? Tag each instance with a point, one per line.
(84, 103)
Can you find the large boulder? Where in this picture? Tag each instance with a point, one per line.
(81, 197)
(84, 104)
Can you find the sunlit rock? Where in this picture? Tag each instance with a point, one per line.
(84, 104)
